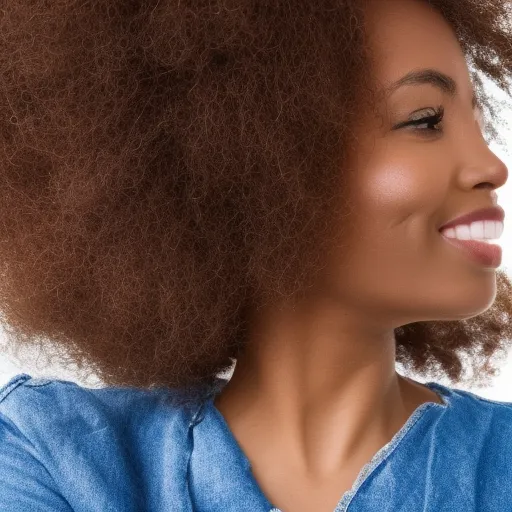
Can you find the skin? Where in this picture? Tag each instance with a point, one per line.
(316, 393)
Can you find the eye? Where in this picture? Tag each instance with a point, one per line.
(430, 121)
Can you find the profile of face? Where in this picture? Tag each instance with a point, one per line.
(408, 180)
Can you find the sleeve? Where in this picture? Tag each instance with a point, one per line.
(25, 484)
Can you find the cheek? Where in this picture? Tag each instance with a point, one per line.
(394, 191)
(397, 186)
(392, 234)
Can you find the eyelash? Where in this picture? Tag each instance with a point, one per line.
(429, 120)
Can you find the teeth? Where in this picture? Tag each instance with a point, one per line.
(481, 230)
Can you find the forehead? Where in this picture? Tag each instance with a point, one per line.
(411, 34)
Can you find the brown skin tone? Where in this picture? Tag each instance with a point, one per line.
(316, 393)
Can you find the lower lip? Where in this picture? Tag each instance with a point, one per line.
(481, 252)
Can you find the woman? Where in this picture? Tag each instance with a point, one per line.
(187, 186)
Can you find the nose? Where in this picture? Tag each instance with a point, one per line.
(482, 167)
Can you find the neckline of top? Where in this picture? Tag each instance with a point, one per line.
(209, 409)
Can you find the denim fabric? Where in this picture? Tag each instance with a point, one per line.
(64, 447)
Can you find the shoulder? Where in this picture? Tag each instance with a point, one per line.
(468, 449)
(472, 424)
(40, 402)
(487, 414)
(80, 447)
(61, 418)
(468, 402)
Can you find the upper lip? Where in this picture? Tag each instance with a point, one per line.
(490, 213)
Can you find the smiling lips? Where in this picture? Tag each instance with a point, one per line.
(474, 240)
(472, 233)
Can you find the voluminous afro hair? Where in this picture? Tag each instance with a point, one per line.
(169, 165)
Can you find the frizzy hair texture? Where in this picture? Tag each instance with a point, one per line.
(167, 166)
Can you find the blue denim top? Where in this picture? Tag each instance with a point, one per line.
(64, 447)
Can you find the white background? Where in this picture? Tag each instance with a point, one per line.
(501, 388)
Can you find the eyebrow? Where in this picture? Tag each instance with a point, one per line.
(433, 77)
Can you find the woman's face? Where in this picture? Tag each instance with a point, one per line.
(409, 181)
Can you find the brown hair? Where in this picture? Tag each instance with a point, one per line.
(168, 165)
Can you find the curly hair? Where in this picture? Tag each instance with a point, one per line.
(167, 166)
